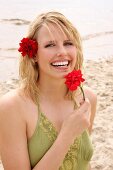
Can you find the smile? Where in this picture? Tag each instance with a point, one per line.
(60, 64)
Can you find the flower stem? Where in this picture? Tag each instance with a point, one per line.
(82, 93)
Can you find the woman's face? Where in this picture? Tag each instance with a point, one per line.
(56, 55)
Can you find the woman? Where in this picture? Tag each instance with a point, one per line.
(45, 123)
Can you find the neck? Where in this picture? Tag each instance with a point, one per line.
(54, 90)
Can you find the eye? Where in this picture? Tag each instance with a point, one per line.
(49, 45)
(68, 43)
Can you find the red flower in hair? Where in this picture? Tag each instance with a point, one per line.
(73, 80)
(28, 47)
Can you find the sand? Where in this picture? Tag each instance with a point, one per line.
(99, 76)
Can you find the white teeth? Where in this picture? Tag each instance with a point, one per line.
(63, 63)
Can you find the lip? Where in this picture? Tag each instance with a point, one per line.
(63, 60)
(62, 68)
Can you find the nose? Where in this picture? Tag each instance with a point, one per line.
(61, 51)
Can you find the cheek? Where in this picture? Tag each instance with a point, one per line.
(74, 53)
(45, 52)
(43, 59)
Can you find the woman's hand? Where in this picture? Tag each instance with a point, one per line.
(77, 121)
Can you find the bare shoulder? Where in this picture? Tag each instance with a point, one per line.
(91, 95)
(11, 113)
(10, 102)
(10, 107)
(7, 98)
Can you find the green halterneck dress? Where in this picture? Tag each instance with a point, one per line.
(77, 157)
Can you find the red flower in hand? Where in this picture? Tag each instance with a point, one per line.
(74, 79)
(28, 47)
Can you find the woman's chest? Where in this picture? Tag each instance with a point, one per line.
(55, 114)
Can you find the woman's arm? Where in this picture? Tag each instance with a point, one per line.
(89, 167)
(93, 101)
(13, 140)
(55, 155)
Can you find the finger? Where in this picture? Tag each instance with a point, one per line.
(85, 105)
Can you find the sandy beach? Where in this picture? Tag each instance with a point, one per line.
(99, 76)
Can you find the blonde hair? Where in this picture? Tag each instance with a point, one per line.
(28, 69)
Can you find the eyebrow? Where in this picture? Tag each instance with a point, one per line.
(68, 40)
(52, 41)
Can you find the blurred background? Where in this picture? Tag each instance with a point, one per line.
(93, 19)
